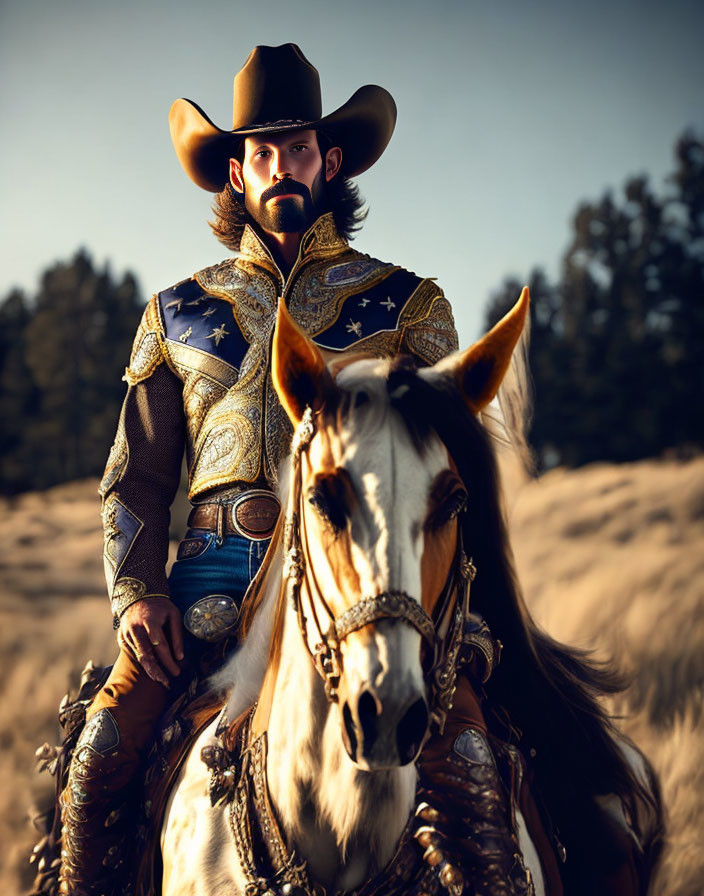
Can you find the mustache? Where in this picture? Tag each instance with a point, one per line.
(286, 186)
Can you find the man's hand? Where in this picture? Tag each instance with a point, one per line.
(151, 628)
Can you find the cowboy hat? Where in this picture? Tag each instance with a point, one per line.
(279, 90)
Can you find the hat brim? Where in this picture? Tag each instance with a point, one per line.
(362, 128)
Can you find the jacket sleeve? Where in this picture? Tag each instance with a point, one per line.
(427, 324)
(142, 472)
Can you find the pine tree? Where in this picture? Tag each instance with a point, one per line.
(71, 344)
(617, 343)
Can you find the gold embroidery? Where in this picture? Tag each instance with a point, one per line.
(186, 335)
(126, 592)
(253, 247)
(128, 589)
(110, 528)
(433, 336)
(187, 359)
(199, 394)
(316, 299)
(322, 237)
(384, 344)
(206, 378)
(277, 434)
(229, 444)
(251, 291)
(146, 350)
(418, 307)
(117, 461)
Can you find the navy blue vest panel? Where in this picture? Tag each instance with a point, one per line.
(202, 321)
(370, 311)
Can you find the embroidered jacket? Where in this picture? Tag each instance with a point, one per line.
(199, 378)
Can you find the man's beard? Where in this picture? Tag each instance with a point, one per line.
(289, 215)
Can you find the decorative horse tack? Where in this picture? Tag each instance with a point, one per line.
(271, 869)
(387, 605)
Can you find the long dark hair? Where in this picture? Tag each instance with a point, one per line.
(342, 198)
(548, 691)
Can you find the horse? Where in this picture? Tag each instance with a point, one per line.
(351, 639)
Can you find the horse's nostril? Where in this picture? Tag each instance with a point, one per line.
(349, 728)
(411, 730)
(366, 711)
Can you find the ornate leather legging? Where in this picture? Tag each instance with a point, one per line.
(99, 804)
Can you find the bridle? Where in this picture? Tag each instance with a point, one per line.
(326, 655)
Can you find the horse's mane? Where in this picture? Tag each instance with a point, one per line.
(548, 691)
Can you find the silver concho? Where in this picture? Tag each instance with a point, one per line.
(212, 617)
(473, 746)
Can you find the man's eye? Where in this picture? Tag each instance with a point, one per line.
(298, 147)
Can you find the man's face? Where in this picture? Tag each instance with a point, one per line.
(283, 176)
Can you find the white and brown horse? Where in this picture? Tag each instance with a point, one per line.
(348, 639)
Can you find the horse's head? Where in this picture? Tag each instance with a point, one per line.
(373, 541)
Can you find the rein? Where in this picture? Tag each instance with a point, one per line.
(391, 604)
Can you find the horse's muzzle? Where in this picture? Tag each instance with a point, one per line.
(381, 735)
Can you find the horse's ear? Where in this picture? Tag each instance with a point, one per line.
(480, 369)
(298, 370)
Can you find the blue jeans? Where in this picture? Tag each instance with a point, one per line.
(222, 573)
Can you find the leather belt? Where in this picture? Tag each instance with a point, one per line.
(252, 514)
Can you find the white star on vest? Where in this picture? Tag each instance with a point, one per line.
(354, 326)
(218, 334)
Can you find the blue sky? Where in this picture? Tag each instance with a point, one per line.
(509, 114)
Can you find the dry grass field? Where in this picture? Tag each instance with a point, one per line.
(610, 557)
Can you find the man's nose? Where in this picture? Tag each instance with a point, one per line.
(280, 169)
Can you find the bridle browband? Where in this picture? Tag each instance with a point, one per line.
(386, 605)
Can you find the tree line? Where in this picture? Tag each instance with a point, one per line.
(617, 348)
(617, 343)
(63, 352)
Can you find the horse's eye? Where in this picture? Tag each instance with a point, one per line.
(450, 507)
(328, 498)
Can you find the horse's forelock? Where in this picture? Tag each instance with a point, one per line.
(382, 385)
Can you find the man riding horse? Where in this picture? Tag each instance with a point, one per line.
(199, 379)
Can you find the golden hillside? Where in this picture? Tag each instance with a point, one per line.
(609, 556)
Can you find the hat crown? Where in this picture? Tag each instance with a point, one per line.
(276, 84)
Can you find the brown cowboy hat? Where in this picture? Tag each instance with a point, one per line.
(279, 90)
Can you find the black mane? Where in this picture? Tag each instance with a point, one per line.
(549, 691)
